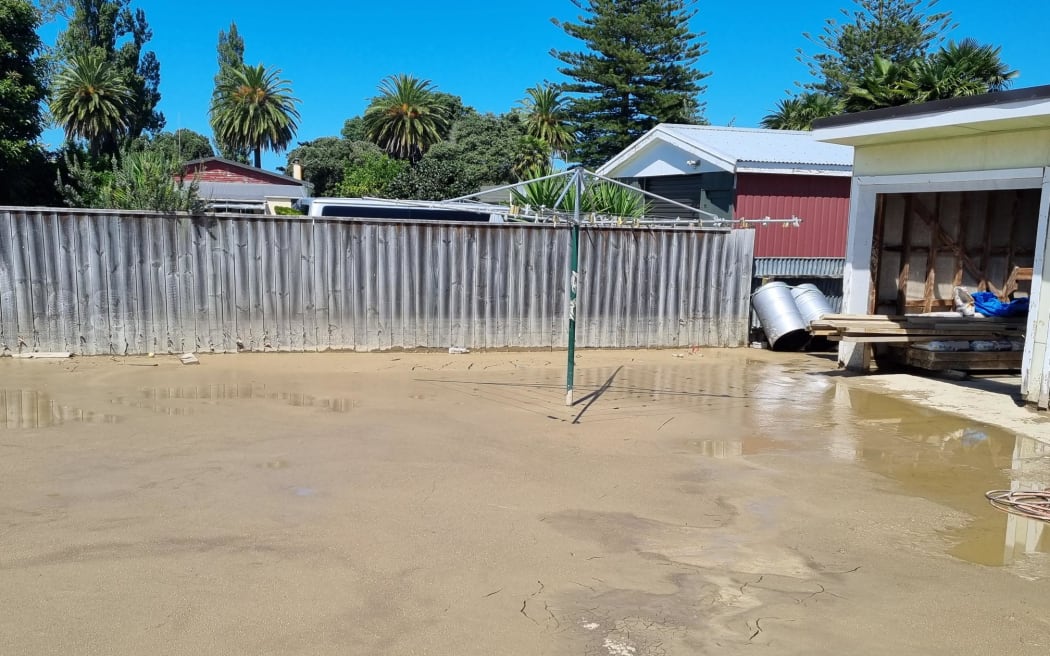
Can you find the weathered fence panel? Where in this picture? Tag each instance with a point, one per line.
(105, 282)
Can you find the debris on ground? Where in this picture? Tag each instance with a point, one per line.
(189, 358)
(42, 354)
(457, 350)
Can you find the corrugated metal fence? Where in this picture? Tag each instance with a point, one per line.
(95, 282)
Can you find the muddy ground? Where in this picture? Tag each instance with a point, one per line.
(718, 502)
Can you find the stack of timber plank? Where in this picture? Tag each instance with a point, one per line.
(970, 361)
(888, 328)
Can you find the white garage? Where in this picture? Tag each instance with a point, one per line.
(949, 193)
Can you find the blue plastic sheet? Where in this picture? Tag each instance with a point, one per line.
(989, 305)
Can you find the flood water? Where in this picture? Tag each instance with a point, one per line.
(801, 414)
(695, 503)
(952, 462)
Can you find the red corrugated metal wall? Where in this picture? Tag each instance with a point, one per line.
(822, 202)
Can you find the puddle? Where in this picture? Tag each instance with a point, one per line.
(953, 462)
(22, 409)
(736, 448)
(156, 399)
(919, 451)
(612, 393)
(28, 408)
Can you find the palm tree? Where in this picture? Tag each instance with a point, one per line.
(798, 113)
(533, 158)
(253, 108)
(91, 101)
(407, 117)
(883, 84)
(959, 69)
(546, 118)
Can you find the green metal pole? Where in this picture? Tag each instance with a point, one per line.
(574, 254)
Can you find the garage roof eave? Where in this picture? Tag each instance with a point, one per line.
(1006, 111)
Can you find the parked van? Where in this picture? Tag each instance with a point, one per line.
(407, 210)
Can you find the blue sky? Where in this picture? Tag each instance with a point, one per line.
(335, 53)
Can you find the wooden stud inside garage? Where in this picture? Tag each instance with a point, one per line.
(938, 230)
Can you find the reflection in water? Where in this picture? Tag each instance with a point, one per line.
(718, 448)
(34, 409)
(154, 399)
(751, 394)
(1023, 534)
(27, 408)
(953, 462)
(746, 446)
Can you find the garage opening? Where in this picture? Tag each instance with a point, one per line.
(926, 245)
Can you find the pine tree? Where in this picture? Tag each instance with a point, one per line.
(231, 58)
(638, 71)
(899, 31)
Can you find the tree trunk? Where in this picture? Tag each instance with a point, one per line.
(258, 157)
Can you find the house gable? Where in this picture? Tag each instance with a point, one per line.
(215, 169)
(670, 149)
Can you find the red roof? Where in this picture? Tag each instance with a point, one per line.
(217, 169)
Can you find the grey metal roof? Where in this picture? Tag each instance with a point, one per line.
(799, 267)
(755, 145)
(248, 190)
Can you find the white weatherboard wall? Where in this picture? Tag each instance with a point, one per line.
(994, 160)
(991, 151)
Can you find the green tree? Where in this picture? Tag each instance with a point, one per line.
(91, 101)
(638, 71)
(372, 176)
(883, 84)
(532, 158)
(966, 68)
(482, 149)
(182, 145)
(881, 57)
(485, 146)
(799, 112)
(899, 31)
(431, 178)
(253, 109)
(230, 55)
(150, 180)
(546, 118)
(21, 92)
(407, 117)
(454, 109)
(963, 69)
(325, 161)
(131, 180)
(120, 34)
(354, 129)
(81, 176)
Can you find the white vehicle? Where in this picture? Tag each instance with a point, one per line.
(407, 210)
